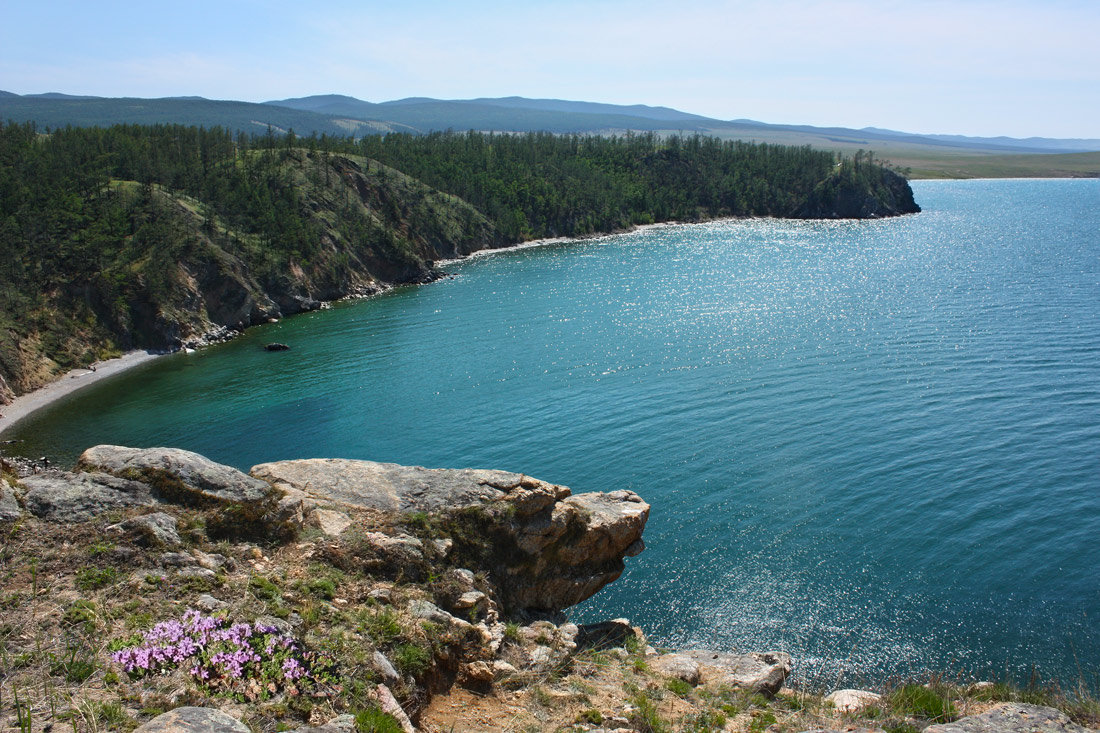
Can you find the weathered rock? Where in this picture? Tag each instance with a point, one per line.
(544, 549)
(389, 705)
(78, 497)
(762, 672)
(430, 612)
(9, 504)
(852, 701)
(679, 666)
(1012, 718)
(385, 668)
(193, 720)
(476, 674)
(605, 634)
(340, 724)
(328, 521)
(209, 603)
(177, 475)
(176, 560)
(197, 573)
(157, 529)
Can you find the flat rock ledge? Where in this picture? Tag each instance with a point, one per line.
(543, 548)
(762, 672)
(546, 548)
(1013, 718)
(193, 720)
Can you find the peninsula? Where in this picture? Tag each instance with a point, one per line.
(166, 237)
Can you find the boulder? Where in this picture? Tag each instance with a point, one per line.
(78, 497)
(177, 476)
(384, 667)
(193, 720)
(1012, 717)
(9, 504)
(762, 672)
(544, 548)
(852, 701)
(157, 529)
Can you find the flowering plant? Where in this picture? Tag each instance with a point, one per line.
(249, 660)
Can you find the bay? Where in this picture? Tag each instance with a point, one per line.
(874, 445)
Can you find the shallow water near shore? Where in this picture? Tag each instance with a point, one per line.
(874, 445)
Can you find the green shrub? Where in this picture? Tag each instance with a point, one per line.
(373, 720)
(412, 659)
(919, 701)
(381, 626)
(263, 588)
(678, 687)
(93, 578)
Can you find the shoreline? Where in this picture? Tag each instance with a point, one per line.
(73, 380)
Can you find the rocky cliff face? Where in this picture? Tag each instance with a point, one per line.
(870, 193)
(544, 548)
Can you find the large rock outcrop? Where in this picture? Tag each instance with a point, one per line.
(545, 548)
(177, 474)
(1012, 718)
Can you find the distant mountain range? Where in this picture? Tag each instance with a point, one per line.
(334, 114)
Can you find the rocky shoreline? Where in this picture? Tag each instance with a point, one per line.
(433, 597)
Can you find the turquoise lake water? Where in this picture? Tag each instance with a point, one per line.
(874, 445)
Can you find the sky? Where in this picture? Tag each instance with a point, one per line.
(1019, 68)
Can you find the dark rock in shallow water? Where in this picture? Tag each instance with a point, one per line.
(276, 347)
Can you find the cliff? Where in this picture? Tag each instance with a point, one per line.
(155, 587)
(191, 277)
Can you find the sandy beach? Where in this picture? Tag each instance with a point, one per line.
(72, 381)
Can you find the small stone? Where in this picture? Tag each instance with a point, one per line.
(280, 624)
(196, 572)
(381, 595)
(332, 523)
(476, 674)
(212, 561)
(385, 668)
(443, 546)
(209, 603)
(177, 560)
(502, 669)
(389, 704)
(472, 599)
(852, 701)
(157, 529)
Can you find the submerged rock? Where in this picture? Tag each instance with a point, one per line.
(545, 548)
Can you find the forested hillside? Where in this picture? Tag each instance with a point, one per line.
(164, 236)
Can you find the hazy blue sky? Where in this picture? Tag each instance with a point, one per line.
(998, 67)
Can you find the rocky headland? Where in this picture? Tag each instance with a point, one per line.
(157, 588)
